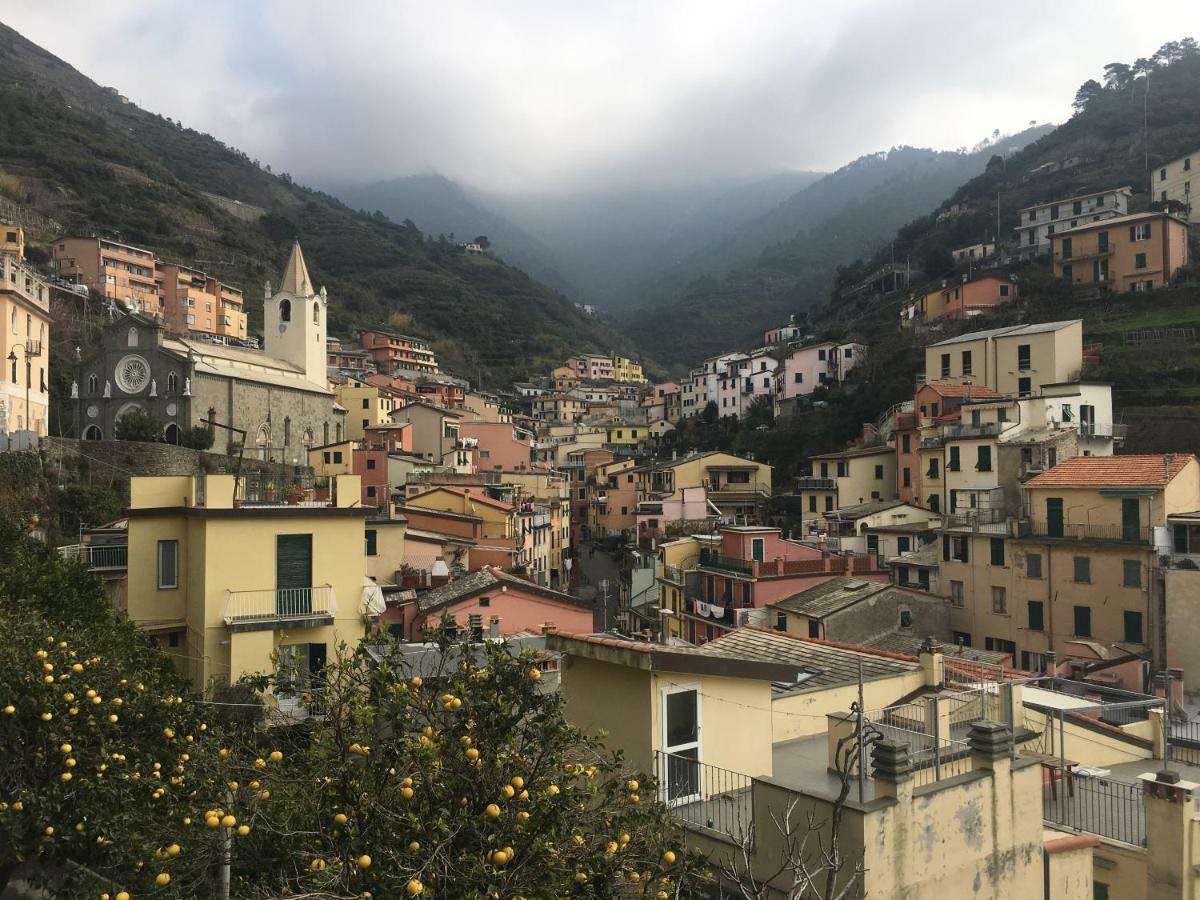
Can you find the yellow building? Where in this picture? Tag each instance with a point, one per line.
(384, 547)
(223, 585)
(846, 478)
(738, 488)
(1018, 359)
(25, 341)
(625, 435)
(366, 407)
(498, 518)
(12, 239)
(677, 560)
(627, 370)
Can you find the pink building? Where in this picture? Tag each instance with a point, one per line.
(395, 437)
(496, 445)
(753, 566)
(654, 516)
(477, 601)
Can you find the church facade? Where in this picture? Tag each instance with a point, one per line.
(279, 396)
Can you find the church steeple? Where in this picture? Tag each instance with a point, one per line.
(294, 317)
(295, 274)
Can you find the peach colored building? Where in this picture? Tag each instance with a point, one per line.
(398, 351)
(489, 598)
(1129, 253)
(119, 272)
(496, 445)
(960, 300)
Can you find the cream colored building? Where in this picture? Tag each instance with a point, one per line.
(1176, 181)
(846, 478)
(736, 488)
(224, 584)
(1017, 359)
(25, 337)
(366, 407)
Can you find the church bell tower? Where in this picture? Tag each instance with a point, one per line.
(294, 319)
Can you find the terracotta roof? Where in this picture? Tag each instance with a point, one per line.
(470, 495)
(1096, 471)
(484, 580)
(975, 391)
(856, 451)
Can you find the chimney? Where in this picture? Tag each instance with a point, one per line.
(849, 563)
(549, 628)
(933, 665)
(891, 767)
(494, 627)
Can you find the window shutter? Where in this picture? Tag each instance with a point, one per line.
(946, 547)
(1146, 230)
(1132, 233)
(293, 561)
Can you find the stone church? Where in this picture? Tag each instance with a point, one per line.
(279, 396)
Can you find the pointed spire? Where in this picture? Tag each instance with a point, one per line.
(295, 274)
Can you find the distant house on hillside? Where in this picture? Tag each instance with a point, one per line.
(1132, 253)
(1173, 183)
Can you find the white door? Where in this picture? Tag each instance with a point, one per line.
(681, 744)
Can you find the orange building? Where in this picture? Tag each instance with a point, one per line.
(1129, 253)
(119, 272)
(193, 302)
(959, 300)
(397, 351)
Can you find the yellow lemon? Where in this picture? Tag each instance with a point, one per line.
(492, 811)
(364, 862)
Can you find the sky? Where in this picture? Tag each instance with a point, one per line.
(525, 97)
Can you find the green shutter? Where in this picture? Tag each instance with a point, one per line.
(372, 542)
(293, 574)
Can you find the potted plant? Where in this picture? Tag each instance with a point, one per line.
(269, 491)
(295, 492)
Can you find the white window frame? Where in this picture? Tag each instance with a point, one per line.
(671, 749)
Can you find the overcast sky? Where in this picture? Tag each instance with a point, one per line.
(524, 96)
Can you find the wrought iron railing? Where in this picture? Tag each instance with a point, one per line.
(807, 483)
(1070, 531)
(705, 796)
(1111, 809)
(278, 604)
(714, 560)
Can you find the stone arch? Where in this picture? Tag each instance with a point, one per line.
(171, 433)
(131, 338)
(93, 433)
(316, 312)
(172, 382)
(93, 384)
(285, 310)
(307, 438)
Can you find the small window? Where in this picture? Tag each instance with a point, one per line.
(814, 629)
(997, 548)
(879, 473)
(999, 601)
(1139, 261)
(953, 464)
(372, 544)
(168, 565)
(956, 594)
(906, 618)
(337, 456)
(781, 621)
(1083, 621)
(370, 464)
(1133, 573)
(1033, 565)
(983, 461)
(485, 601)
(966, 362)
(1036, 616)
(1083, 569)
(1133, 626)
(285, 310)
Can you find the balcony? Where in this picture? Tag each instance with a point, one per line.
(1068, 531)
(1115, 431)
(982, 430)
(305, 607)
(98, 557)
(808, 483)
(712, 560)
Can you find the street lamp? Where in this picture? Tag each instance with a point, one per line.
(12, 358)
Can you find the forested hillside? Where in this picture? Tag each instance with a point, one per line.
(77, 158)
(785, 260)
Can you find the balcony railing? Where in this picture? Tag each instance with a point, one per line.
(714, 560)
(1103, 430)
(705, 796)
(815, 484)
(98, 558)
(278, 605)
(1111, 809)
(984, 429)
(1069, 531)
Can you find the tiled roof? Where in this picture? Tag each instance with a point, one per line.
(974, 391)
(1118, 221)
(856, 451)
(829, 662)
(1096, 471)
(833, 596)
(859, 510)
(470, 495)
(910, 644)
(484, 579)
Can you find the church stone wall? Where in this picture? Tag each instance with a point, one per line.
(275, 419)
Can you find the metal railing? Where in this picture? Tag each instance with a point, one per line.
(714, 560)
(99, 557)
(278, 604)
(984, 429)
(1111, 809)
(705, 796)
(808, 483)
(1103, 430)
(1069, 531)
